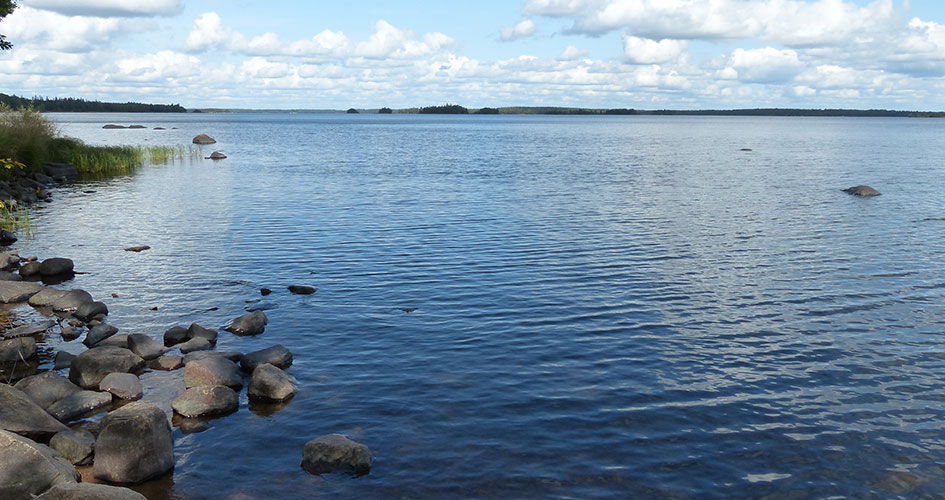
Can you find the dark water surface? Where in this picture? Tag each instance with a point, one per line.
(607, 307)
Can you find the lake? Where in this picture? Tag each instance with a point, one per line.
(605, 306)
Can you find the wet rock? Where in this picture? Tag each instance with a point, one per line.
(136, 249)
(271, 383)
(408, 309)
(276, 355)
(61, 172)
(8, 276)
(122, 385)
(46, 296)
(28, 330)
(216, 155)
(56, 266)
(70, 333)
(99, 333)
(134, 445)
(198, 344)
(261, 306)
(204, 139)
(46, 388)
(198, 332)
(30, 270)
(17, 291)
(9, 260)
(175, 335)
(90, 367)
(264, 291)
(112, 126)
(210, 371)
(63, 360)
(120, 340)
(71, 300)
(78, 405)
(301, 289)
(206, 401)
(864, 191)
(167, 363)
(86, 312)
(145, 346)
(252, 323)
(19, 349)
(230, 355)
(334, 451)
(90, 491)
(74, 445)
(28, 468)
(20, 415)
(7, 238)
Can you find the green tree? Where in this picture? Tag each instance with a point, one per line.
(6, 7)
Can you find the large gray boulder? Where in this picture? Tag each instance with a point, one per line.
(47, 388)
(144, 346)
(125, 386)
(74, 445)
(17, 291)
(28, 468)
(252, 323)
(193, 345)
(47, 296)
(167, 362)
(78, 405)
(99, 333)
(175, 335)
(90, 310)
(20, 415)
(134, 445)
(90, 491)
(19, 349)
(334, 451)
(198, 332)
(211, 371)
(233, 356)
(271, 384)
(90, 367)
(206, 401)
(276, 355)
(56, 266)
(204, 139)
(29, 270)
(71, 300)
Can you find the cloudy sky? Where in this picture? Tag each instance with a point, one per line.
(645, 54)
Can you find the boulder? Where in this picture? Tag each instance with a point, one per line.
(28, 330)
(19, 349)
(302, 289)
(137, 249)
(120, 340)
(17, 291)
(61, 172)
(198, 332)
(204, 139)
(90, 491)
(134, 445)
(145, 346)
(74, 445)
(125, 386)
(9, 260)
(99, 333)
(205, 401)
(167, 363)
(46, 388)
(69, 333)
(71, 300)
(864, 191)
(216, 155)
(9, 276)
(112, 126)
(252, 323)
(199, 344)
(47, 296)
(56, 266)
(89, 368)
(88, 311)
(30, 270)
(63, 360)
(28, 468)
(175, 335)
(78, 405)
(210, 371)
(7, 238)
(20, 415)
(276, 355)
(334, 451)
(264, 291)
(230, 355)
(271, 383)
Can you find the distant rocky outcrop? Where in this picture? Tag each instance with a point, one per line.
(204, 139)
(864, 191)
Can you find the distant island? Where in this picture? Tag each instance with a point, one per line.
(73, 105)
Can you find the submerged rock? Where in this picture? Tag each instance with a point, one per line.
(78, 405)
(28, 330)
(90, 367)
(302, 289)
(90, 491)
(20, 415)
(334, 451)
(204, 139)
(864, 191)
(134, 445)
(74, 445)
(252, 323)
(271, 383)
(28, 468)
(136, 249)
(206, 401)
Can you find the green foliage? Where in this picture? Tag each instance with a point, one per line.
(6, 7)
(447, 109)
(95, 161)
(72, 105)
(24, 136)
(14, 217)
(385, 111)
(164, 154)
(487, 111)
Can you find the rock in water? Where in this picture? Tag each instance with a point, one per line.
(252, 323)
(17, 291)
(175, 335)
(270, 383)
(134, 445)
(63, 359)
(216, 155)
(136, 249)
(145, 346)
(9, 260)
(70, 301)
(204, 139)
(198, 332)
(99, 333)
(198, 344)
(86, 312)
(7, 238)
(302, 289)
(276, 355)
(56, 266)
(46, 296)
(20, 415)
(167, 363)
(19, 349)
(30, 269)
(125, 386)
(214, 370)
(46, 388)
(75, 445)
(79, 404)
(90, 491)
(28, 330)
(61, 172)
(206, 401)
(864, 191)
(89, 368)
(334, 451)
(28, 468)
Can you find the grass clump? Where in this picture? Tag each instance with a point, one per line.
(94, 161)
(14, 217)
(164, 154)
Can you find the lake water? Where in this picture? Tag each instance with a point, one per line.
(606, 307)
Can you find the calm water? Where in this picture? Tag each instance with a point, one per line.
(607, 307)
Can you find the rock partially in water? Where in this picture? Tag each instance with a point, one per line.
(198, 344)
(7, 238)
(214, 370)
(17, 291)
(90, 367)
(120, 340)
(47, 296)
(134, 445)
(112, 126)
(56, 266)
(47, 388)
(233, 356)
(205, 401)
(28, 468)
(336, 452)
(90, 310)
(198, 332)
(9, 276)
(204, 139)
(271, 383)
(70, 301)
(9, 260)
(167, 363)
(63, 360)
(99, 333)
(70, 333)
(264, 291)
(28, 330)
(864, 191)
(139, 248)
(30, 270)
(90, 491)
(302, 289)
(61, 172)
(19, 349)
(75, 445)
(276, 355)
(175, 335)
(252, 323)
(20, 415)
(78, 405)
(145, 346)
(216, 155)
(125, 386)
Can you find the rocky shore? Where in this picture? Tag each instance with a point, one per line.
(89, 411)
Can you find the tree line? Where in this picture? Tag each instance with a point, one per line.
(73, 105)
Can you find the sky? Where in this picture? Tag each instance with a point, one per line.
(643, 54)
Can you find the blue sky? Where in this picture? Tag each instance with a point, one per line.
(644, 54)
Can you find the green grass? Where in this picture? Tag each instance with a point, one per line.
(14, 217)
(164, 154)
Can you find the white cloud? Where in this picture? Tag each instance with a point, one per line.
(765, 65)
(32, 28)
(571, 53)
(523, 29)
(108, 8)
(646, 51)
